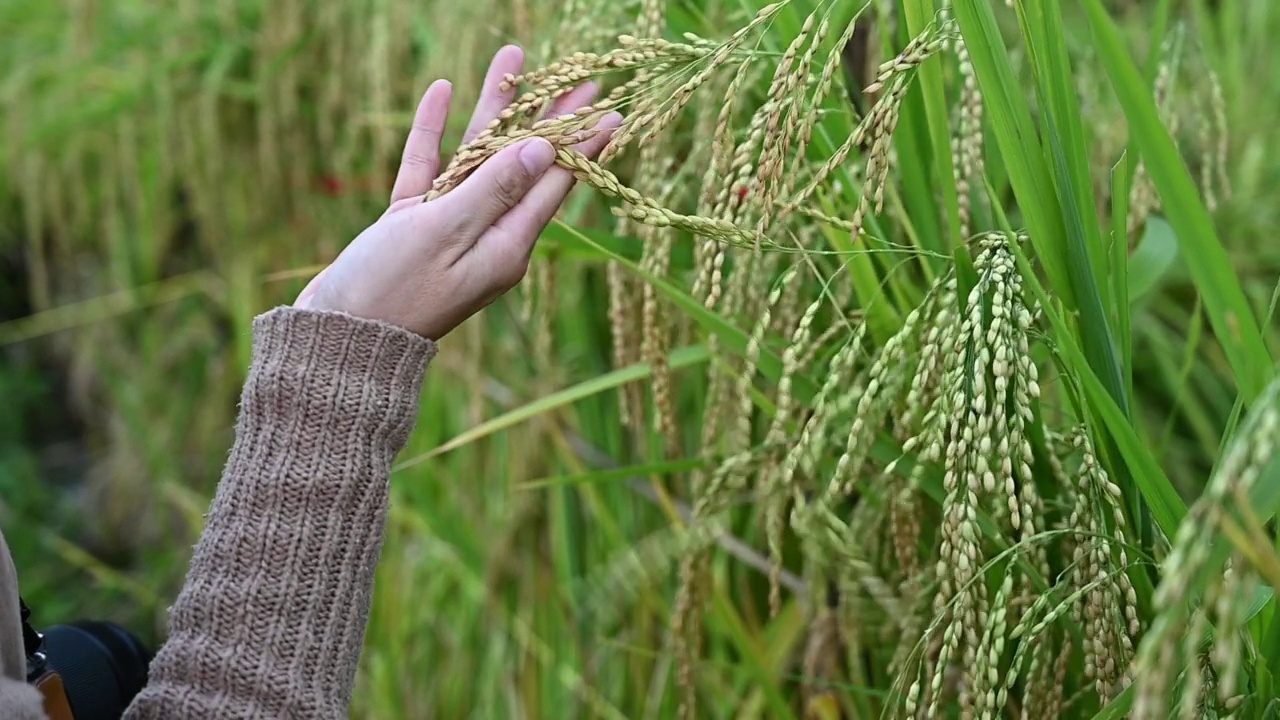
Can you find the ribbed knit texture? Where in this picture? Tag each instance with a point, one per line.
(271, 620)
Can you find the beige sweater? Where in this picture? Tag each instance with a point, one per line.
(271, 620)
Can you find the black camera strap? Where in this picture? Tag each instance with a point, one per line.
(31, 639)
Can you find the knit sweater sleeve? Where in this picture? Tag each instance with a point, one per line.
(18, 700)
(270, 622)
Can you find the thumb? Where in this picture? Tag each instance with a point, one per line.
(308, 292)
(499, 184)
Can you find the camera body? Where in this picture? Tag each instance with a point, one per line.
(84, 670)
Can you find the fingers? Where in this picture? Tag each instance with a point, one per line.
(507, 61)
(527, 219)
(420, 160)
(497, 186)
(502, 254)
(580, 96)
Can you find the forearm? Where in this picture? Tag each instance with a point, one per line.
(271, 620)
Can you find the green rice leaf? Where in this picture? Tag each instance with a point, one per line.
(1226, 305)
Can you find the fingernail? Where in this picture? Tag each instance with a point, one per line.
(613, 119)
(536, 156)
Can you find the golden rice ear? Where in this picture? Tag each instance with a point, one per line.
(1107, 605)
(1198, 590)
(967, 149)
(785, 103)
(1143, 198)
(951, 357)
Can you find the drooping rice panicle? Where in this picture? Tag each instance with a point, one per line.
(968, 163)
(1193, 591)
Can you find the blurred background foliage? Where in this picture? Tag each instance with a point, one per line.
(169, 170)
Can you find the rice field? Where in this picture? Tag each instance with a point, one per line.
(897, 358)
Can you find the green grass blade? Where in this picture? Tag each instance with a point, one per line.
(1069, 163)
(1119, 706)
(683, 357)
(883, 319)
(918, 14)
(1167, 507)
(1226, 306)
(1122, 290)
(1016, 135)
(733, 337)
(614, 474)
(754, 660)
(1153, 259)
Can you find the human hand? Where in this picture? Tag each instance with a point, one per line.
(428, 266)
